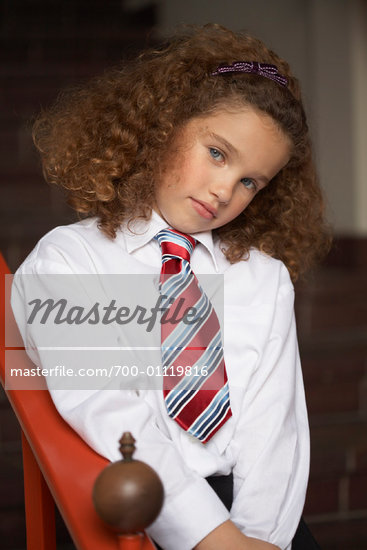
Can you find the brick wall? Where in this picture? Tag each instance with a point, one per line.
(44, 47)
(332, 323)
(47, 45)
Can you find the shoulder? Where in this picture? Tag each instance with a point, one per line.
(257, 278)
(69, 248)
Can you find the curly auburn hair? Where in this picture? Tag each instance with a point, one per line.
(104, 143)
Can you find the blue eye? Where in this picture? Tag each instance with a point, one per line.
(217, 155)
(249, 183)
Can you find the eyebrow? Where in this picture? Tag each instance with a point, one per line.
(225, 144)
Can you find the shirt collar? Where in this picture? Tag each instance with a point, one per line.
(139, 232)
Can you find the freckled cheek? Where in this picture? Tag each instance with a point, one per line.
(240, 202)
(238, 209)
(172, 182)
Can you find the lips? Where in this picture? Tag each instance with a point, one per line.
(204, 209)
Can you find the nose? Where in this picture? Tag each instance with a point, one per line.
(223, 190)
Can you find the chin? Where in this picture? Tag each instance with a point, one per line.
(187, 226)
(184, 227)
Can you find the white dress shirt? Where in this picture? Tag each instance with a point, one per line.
(265, 443)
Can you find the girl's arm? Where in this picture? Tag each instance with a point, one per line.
(271, 441)
(227, 537)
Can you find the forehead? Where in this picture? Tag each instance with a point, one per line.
(237, 127)
(235, 118)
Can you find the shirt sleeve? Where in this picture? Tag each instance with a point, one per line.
(191, 508)
(272, 437)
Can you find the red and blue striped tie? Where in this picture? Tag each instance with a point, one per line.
(197, 398)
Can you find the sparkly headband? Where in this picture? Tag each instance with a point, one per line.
(253, 67)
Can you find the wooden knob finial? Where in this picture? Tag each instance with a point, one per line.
(127, 446)
(128, 494)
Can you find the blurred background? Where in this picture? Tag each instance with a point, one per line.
(49, 44)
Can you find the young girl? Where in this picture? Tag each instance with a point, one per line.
(206, 135)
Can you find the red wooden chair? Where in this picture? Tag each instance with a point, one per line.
(58, 466)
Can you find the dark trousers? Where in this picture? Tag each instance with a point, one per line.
(223, 486)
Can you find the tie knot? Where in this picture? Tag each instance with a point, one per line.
(175, 244)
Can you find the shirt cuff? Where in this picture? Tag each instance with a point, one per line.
(188, 517)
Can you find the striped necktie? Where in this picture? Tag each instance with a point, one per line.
(196, 391)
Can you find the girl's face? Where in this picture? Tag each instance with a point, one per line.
(217, 164)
